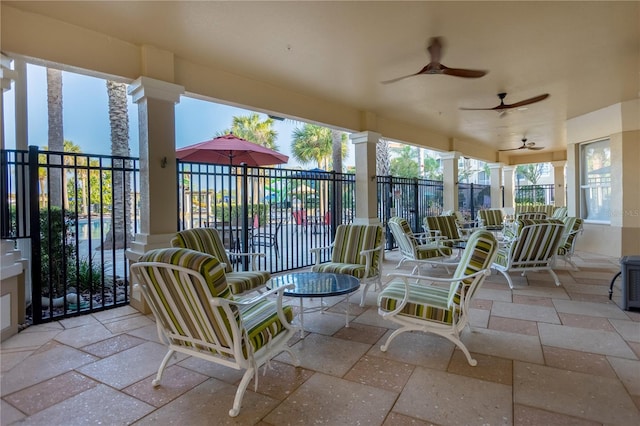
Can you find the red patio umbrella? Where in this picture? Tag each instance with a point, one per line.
(232, 150)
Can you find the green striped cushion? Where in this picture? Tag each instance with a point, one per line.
(533, 242)
(571, 227)
(244, 281)
(175, 298)
(429, 251)
(350, 240)
(407, 245)
(439, 303)
(559, 213)
(491, 218)
(262, 323)
(445, 224)
(205, 240)
(354, 269)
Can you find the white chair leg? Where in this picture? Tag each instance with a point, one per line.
(242, 387)
(163, 364)
(385, 346)
(555, 277)
(506, 275)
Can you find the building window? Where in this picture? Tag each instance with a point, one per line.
(595, 181)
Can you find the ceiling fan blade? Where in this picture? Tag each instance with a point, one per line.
(528, 101)
(460, 72)
(393, 80)
(512, 149)
(535, 148)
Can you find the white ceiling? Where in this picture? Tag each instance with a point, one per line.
(586, 55)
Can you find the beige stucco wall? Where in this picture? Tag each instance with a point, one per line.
(620, 124)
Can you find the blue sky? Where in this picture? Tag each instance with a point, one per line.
(86, 117)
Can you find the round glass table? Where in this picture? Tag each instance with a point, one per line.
(316, 284)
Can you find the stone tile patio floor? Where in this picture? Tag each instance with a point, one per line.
(546, 356)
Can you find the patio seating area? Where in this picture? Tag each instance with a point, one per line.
(546, 355)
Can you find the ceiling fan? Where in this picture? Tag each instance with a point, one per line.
(503, 107)
(435, 67)
(525, 145)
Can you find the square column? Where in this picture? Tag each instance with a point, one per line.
(496, 184)
(558, 183)
(366, 190)
(156, 101)
(450, 180)
(509, 187)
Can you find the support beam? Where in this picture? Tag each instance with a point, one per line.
(450, 180)
(367, 195)
(496, 185)
(509, 187)
(559, 183)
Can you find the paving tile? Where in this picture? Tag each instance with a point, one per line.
(314, 351)
(210, 369)
(445, 398)
(529, 416)
(127, 324)
(115, 314)
(525, 312)
(585, 396)
(489, 368)
(503, 295)
(50, 392)
(373, 318)
(628, 371)
(549, 291)
(479, 317)
(585, 340)
(585, 321)
(504, 345)
(380, 373)
(524, 299)
(361, 333)
(9, 414)
(43, 366)
(629, 330)
(98, 405)
(29, 341)
(582, 362)
(113, 345)
(149, 332)
(416, 348)
(127, 367)
(609, 310)
(397, 419)
(512, 325)
(326, 399)
(175, 381)
(84, 335)
(8, 360)
(484, 304)
(78, 321)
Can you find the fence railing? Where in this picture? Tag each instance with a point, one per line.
(77, 213)
(80, 211)
(535, 194)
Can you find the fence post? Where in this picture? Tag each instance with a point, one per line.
(387, 210)
(415, 205)
(34, 225)
(245, 216)
(336, 205)
(472, 203)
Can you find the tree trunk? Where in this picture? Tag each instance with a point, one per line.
(383, 165)
(56, 134)
(120, 234)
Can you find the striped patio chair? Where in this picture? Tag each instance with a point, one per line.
(492, 219)
(207, 240)
(445, 228)
(419, 249)
(572, 228)
(559, 213)
(196, 314)
(533, 248)
(442, 310)
(356, 250)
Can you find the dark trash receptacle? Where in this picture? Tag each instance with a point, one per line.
(628, 296)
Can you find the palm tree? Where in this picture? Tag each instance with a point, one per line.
(119, 121)
(432, 168)
(251, 128)
(56, 133)
(312, 143)
(337, 144)
(383, 165)
(405, 165)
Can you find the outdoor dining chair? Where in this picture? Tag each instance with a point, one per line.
(418, 249)
(533, 248)
(356, 250)
(411, 302)
(196, 314)
(267, 237)
(207, 240)
(572, 228)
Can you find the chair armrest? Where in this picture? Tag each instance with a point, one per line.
(316, 251)
(253, 256)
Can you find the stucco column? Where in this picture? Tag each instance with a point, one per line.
(496, 184)
(156, 101)
(450, 180)
(509, 187)
(366, 191)
(558, 183)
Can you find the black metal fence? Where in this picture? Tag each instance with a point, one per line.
(77, 213)
(535, 194)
